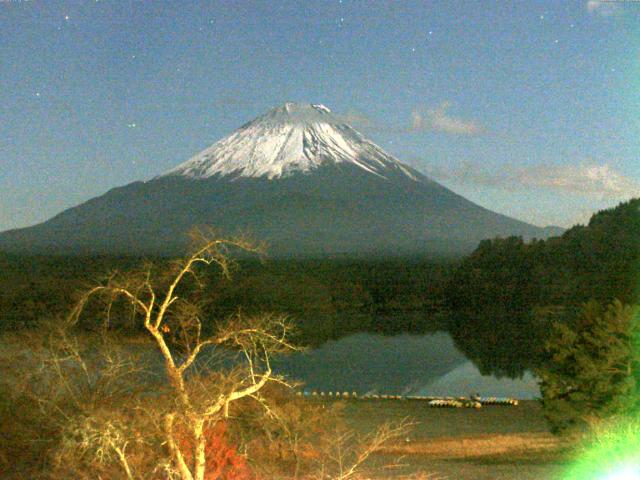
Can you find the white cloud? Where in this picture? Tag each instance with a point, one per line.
(602, 7)
(358, 120)
(365, 123)
(597, 181)
(439, 120)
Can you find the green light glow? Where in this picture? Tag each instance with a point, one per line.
(613, 455)
(612, 450)
(624, 473)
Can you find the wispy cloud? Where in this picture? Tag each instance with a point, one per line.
(604, 8)
(367, 124)
(598, 181)
(438, 119)
(358, 120)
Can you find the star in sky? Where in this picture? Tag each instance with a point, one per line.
(379, 83)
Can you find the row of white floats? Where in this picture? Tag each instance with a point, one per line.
(436, 402)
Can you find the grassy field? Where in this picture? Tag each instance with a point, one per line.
(492, 443)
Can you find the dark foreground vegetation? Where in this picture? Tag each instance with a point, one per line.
(327, 298)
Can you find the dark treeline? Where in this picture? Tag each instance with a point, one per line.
(333, 298)
(327, 298)
(36, 287)
(507, 293)
(498, 303)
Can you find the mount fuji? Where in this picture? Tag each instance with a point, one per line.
(297, 177)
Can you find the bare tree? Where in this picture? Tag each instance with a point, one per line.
(114, 412)
(169, 314)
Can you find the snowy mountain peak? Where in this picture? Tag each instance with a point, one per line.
(299, 108)
(287, 139)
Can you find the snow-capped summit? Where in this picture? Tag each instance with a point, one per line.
(291, 138)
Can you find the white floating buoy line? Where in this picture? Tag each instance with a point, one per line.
(473, 401)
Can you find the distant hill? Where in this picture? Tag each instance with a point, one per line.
(296, 177)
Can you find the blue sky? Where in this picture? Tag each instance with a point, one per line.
(529, 108)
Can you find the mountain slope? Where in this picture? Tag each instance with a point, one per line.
(296, 177)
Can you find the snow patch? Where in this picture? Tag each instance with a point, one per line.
(288, 139)
(321, 107)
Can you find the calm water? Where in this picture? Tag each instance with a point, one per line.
(401, 364)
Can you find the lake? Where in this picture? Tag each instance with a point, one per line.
(401, 364)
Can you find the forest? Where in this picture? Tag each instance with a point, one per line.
(498, 303)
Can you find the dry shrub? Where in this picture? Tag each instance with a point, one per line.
(285, 439)
(223, 460)
(309, 439)
(119, 442)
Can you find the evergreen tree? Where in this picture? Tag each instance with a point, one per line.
(592, 368)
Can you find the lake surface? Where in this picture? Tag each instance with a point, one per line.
(402, 364)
